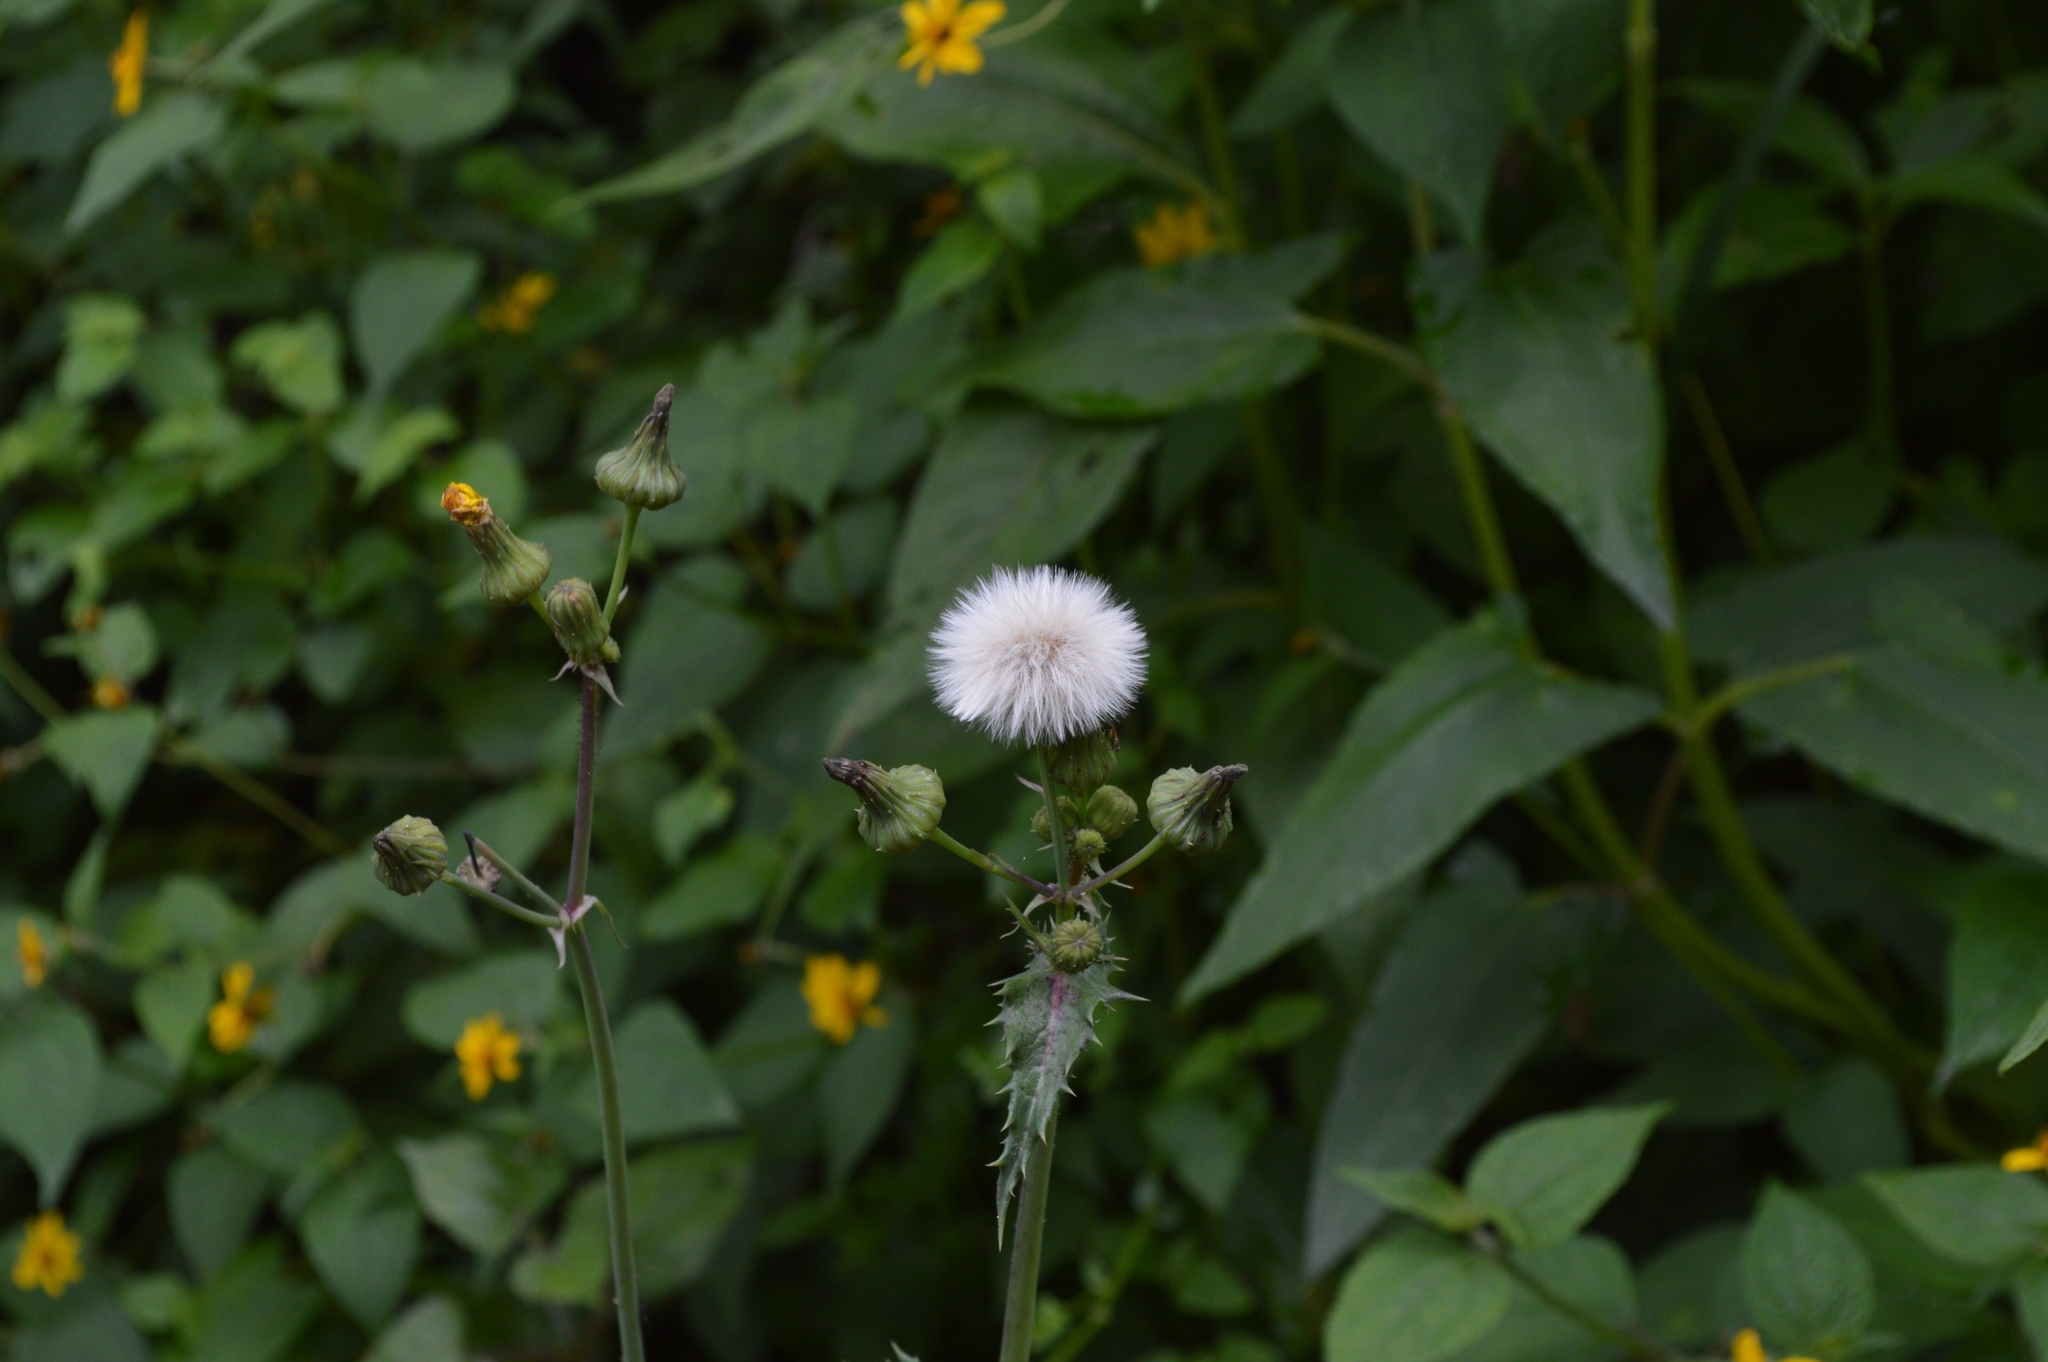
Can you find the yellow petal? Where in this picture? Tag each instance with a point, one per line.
(977, 17)
(2028, 1159)
(916, 17)
(1748, 1347)
(959, 56)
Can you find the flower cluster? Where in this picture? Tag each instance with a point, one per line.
(48, 1260)
(1175, 234)
(842, 995)
(231, 1023)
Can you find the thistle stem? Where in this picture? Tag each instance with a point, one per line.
(1052, 820)
(1020, 1308)
(503, 905)
(1146, 853)
(479, 847)
(612, 593)
(983, 861)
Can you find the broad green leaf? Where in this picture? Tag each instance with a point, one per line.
(1846, 22)
(1420, 1193)
(430, 1330)
(689, 813)
(1973, 1213)
(106, 751)
(667, 1083)
(1833, 500)
(1132, 342)
(689, 652)
(1207, 1137)
(1462, 722)
(277, 16)
(780, 106)
(958, 257)
(1692, 1289)
(289, 1127)
(101, 331)
(481, 1193)
(168, 128)
(300, 361)
(1846, 1121)
(680, 1199)
(1296, 83)
(362, 1233)
(171, 1004)
(1015, 202)
(419, 107)
(717, 890)
(135, 1085)
(1972, 182)
(1590, 1275)
(1563, 56)
(862, 1082)
(1454, 1010)
(1421, 85)
(1414, 1298)
(215, 1196)
(1776, 230)
(92, 1330)
(771, 1046)
(252, 1309)
(2030, 1298)
(522, 986)
(400, 302)
(1807, 131)
(1543, 1179)
(49, 1069)
(1997, 962)
(1538, 359)
(1808, 1283)
(2030, 1039)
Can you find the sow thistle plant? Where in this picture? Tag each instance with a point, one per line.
(1045, 660)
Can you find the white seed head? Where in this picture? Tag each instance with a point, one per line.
(1037, 656)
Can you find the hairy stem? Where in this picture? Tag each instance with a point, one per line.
(503, 905)
(983, 861)
(478, 846)
(1146, 853)
(1020, 1306)
(1052, 820)
(618, 586)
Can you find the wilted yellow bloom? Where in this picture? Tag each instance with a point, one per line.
(842, 995)
(49, 1256)
(127, 62)
(1175, 234)
(941, 35)
(486, 1050)
(242, 1008)
(109, 693)
(514, 312)
(1748, 1347)
(2028, 1158)
(33, 953)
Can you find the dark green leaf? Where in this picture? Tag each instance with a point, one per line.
(106, 751)
(398, 304)
(1564, 56)
(861, 1085)
(1542, 1180)
(1973, 1213)
(1587, 1273)
(1847, 1121)
(689, 652)
(362, 1233)
(523, 987)
(1414, 1298)
(480, 1193)
(420, 107)
(1420, 1193)
(171, 127)
(1997, 963)
(252, 1309)
(215, 1196)
(1807, 1281)
(667, 1084)
(49, 1069)
(956, 260)
(430, 1330)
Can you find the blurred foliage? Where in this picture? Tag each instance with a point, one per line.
(1649, 1032)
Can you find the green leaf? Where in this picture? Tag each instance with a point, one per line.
(49, 1069)
(1807, 130)
(251, 1310)
(959, 256)
(362, 1233)
(1587, 1272)
(1414, 1298)
(215, 1196)
(1846, 22)
(1997, 963)
(667, 1083)
(1973, 1213)
(862, 1082)
(400, 302)
(289, 1127)
(1539, 360)
(771, 1046)
(1563, 56)
(101, 331)
(482, 1193)
(689, 813)
(300, 361)
(1295, 84)
(1808, 1283)
(277, 16)
(2030, 1039)
(1972, 182)
(523, 987)
(420, 107)
(1454, 1010)
(680, 1199)
(394, 448)
(430, 1330)
(93, 1330)
(2030, 1297)
(1833, 500)
(106, 751)
(1421, 85)
(1418, 1192)
(1462, 722)
(1542, 1180)
(718, 890)
(1846, 1121)
(1048, 1018)
(1015, 202)
(1135, 342)
(171, 1004)
(690, 652)
(171, 127)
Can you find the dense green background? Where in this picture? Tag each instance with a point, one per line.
(245, 348)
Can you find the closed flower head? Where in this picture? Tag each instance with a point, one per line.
(1037, 656)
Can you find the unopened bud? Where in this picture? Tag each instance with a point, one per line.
(1085, 759)
(642, 474)
(1041, 826)
(1075, 944)
(1086, 850)
(1191, 809)
(409, 855)
(1111, 812)
(514, 568)
(898, 808)
(579, 625)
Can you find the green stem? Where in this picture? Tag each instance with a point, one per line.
(256, 792)
(1633, 1344)
(1052, 821)
(984, 861)
(1214, 133)
(1479, 509)
(1641, 48)
(540, 608)
(1146, 853)
(480, 847)
(1580, 147)
(1020, 1307)
(503, 905)
(1710, 710)
(1722, 455)
(26, 686)
(1103, 1309)
(618, 586)
(1371, 343)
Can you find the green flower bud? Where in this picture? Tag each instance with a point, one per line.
(1191, 809)
(1084, 760)
(514, 568)
(579, 625)
(641, 474)
(1041, 826)
(409, 855)
(1075, 944)
(898, 809)
(1111, 812)
(1088, 845)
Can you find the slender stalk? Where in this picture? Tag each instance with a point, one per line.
(1146, 853)
(1052, 820)
(993, 865)
(1479, 510)
(1748, 688)
(1722, 455)
(540, 608)
(1217, 137)
(1580, 146)
(187, 753)
(1103, 1310)
(586, 770)
(618, 586)
(502, 904)
(1276, 500)
(480, 847)
(1372, 343)
(1020, 1306)
(1641, 48)
(1633, 1344)
(27, 687)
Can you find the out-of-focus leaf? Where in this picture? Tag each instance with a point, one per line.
(1542, 1180)
(1462, 722)
(722, 888)
(363, 1234)
(168, 129)
(862, 1082)
(1846, 22)
(1972, 182)
(215, 1196)
(101, 331)
(958, 257)
(522, 986)
(1427, 1196)
(419, 107)
(480, 1193)
(689, 652)
(171, 1004)
(400, 302)
(770, 1046)
(667, 1083)
(1973, 1213)
(1847, 1122)
(1807, 131)
(430, 1330)
(1808, 1283)
(1296, 83)
(299, 361)
(92, 1330)
(1563, 56)
(289, 1127)
(1997, 964)
(1833, 500)
(106, 751)
(252, 1309)
(1414, 1298)
(49, 1069)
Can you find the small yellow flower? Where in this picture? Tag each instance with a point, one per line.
(109, 693)
(941, 35)
(464, 504)
(842, 995)
(127, 62)
(242, 1008)
(32, 951)
(487, 1051)
(1175, 234)
(48, 1257)
(2028, 1158)
(514, 312)
(1748, 1347)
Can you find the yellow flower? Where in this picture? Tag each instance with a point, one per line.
(842, 995)
(514, 312)
(1175, 234)
(48, 1257)
(486, 1051)
(2028, 1158)
(109, 693)
(32, 952)
(127, 62)
(242, 1008)
(941, 35)
(1748, 1347)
